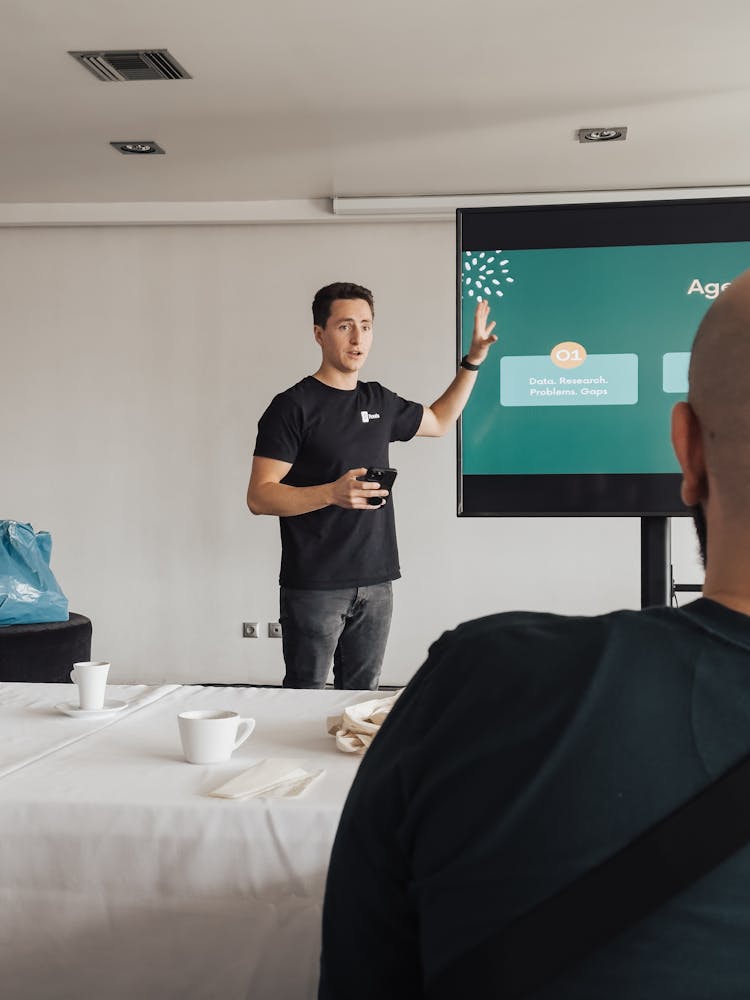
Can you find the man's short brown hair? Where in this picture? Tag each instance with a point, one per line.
(325, 297)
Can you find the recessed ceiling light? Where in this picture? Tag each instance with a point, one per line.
(610, 134)
(138, 147)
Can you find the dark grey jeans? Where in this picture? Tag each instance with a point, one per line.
(348, 628)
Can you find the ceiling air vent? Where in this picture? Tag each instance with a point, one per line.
(132, 64)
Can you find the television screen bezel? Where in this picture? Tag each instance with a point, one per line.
(549, 226)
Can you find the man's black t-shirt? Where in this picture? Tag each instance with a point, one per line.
(322, 432)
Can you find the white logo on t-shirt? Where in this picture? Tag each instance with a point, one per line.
(366, 417)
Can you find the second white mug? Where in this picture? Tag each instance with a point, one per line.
(209, 737)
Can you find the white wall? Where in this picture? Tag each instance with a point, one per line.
(134, 364)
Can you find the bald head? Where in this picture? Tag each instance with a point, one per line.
(719, 390)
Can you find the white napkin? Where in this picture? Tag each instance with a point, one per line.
(357, 726)
(275, 777)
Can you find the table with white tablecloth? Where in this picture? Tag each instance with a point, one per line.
(120, 876)
(31, 726)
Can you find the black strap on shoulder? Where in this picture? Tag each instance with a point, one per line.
(588, 913)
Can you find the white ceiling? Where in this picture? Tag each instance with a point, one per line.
(301, 99)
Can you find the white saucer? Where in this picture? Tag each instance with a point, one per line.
(109, 706)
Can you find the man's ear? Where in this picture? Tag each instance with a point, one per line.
(687, 441)
(317, 333)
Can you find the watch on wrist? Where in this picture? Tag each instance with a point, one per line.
(465, 363)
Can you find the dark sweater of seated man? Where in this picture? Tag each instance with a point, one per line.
(531, 747)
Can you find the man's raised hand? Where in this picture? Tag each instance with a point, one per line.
(483, 337)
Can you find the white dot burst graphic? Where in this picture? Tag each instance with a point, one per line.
(484, 273)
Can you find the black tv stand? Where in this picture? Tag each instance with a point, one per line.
(657, 581)
(656, 561)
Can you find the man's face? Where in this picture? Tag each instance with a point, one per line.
(347, 336)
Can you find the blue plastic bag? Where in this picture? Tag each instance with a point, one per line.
(29, 592)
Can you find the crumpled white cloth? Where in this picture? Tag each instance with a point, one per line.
(357, 726)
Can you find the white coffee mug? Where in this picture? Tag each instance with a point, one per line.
(91, 678)
(209, 737)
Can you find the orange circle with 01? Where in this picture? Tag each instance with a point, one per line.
(568, 354)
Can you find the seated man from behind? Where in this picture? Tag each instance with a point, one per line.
(529, 748)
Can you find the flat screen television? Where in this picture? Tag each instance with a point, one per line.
(596, 308)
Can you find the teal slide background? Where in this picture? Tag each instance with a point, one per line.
(612, 300)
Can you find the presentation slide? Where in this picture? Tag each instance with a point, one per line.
(592, 355)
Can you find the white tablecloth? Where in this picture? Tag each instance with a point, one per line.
(120, 877)
(31, 727)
